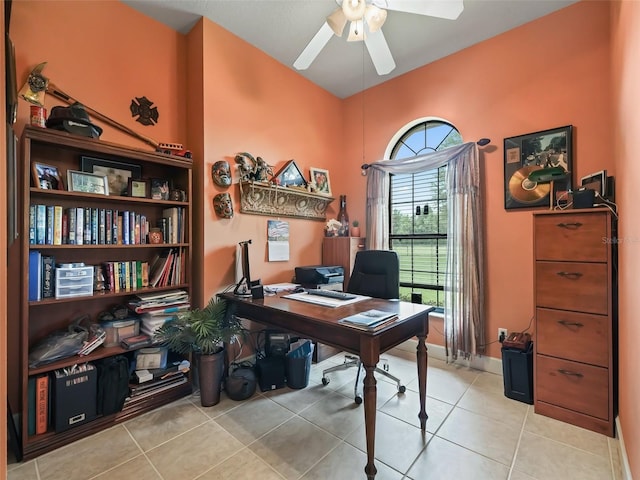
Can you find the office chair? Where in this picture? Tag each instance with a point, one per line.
(376, 273)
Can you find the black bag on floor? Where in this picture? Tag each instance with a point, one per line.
(113, 384)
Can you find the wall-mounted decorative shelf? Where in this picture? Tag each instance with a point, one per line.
(267, 199)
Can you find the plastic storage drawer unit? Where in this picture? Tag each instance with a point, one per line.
(74, 281)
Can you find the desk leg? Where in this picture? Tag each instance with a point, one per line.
(370, 398)
(421, 355)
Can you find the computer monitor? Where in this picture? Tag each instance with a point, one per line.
(245, 287)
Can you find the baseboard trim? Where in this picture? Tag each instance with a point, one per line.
(484, 363)
(626, 468)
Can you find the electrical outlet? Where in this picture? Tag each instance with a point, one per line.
(502, 334)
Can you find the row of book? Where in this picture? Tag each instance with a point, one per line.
(168, 268)
(55, 225)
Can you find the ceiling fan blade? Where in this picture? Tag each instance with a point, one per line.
(379, 52)
(449, 9)
(314, 47)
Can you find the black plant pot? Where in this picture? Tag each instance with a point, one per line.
(211, 372)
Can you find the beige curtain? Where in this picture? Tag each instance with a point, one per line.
(464, 293)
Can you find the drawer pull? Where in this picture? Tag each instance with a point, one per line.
(572, 225)
(570, 373)
(572, 275)
(570, 324)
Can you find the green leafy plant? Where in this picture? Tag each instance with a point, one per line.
(356, 223)
(200, 330)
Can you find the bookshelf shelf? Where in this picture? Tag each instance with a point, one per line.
(39, 319)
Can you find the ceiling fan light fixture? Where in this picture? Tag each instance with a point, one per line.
(356, 31)
(337, 21)
(375, 17)
(354, 9)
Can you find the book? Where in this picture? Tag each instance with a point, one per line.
(57, 225)
(35, 275)
(32, 224)
(130, 343)
(48, 270)
(49, 223)
(79, 225)
(42, 404)
(41, 224)
(368, 319)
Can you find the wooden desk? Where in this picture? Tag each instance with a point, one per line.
(321, 323)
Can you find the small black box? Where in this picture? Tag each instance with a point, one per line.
(584, 198)
(74, 400)
(270, 373)
(517, 372)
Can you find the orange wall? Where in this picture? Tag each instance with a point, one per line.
(104, 54)
(548, 73)
(253, 103)
(625, 28)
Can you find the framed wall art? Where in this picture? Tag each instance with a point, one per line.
(159, 189)
(548, 151)
(46, 177)
(290, 176)
(137, 188)
(117, 173)
(87, 182)
(320, 178)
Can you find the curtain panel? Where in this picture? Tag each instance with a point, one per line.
(464, 292)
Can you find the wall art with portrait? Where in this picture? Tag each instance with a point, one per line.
(320, 180)
(548, 151)
(117, 173)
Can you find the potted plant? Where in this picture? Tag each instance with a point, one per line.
(355, 229)
(203, 332)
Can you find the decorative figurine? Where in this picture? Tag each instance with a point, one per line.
(253, 169)
(222, 205)
(221, 173)
(147, 115)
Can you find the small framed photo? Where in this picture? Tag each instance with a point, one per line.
(596, 181)
(159, 189)
(46, 177)
(137, 188)
(290, 176)
(320, 179)
(87, 182)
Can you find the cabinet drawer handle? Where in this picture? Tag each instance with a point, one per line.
(573, 275)
(572, 225)
(570, 373)
(570, 324)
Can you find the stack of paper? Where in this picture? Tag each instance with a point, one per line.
(160, 303)
(369, 319)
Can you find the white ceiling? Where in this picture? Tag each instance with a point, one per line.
(282, 28)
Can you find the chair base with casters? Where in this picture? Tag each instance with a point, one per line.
(351, 361)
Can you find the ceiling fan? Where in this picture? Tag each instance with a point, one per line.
(366, 18)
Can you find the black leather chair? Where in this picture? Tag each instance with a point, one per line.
(376, 273)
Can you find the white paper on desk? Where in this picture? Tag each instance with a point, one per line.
(278, 240)
(324, 301)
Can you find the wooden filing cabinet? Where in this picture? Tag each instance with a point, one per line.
(576, 317)
(342, 251)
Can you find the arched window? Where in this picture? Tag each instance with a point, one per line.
(418, 211)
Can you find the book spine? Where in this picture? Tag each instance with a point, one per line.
(145, 274)
(132, 228)
(32, 224)
(138, 274)
(71, 213)
(41, 224)
(87, 226)
(102, 232)
(42, 404)
(95, 226)
(125, 227)
(109, 227)
(31, 409)
(50, 222)
(57, 225)
(116, 276)
(79, 226)
(35, 275)
(48, 276)
(65, 227)
(127, 275)
(119, 228)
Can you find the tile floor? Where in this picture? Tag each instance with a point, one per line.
(317, 433)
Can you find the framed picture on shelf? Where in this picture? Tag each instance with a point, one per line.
(320, 178)
(87, 182)
(549, 153)
(290, 176)
(137, 188)
(117, 173)
(46, 177)
(159, 189)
